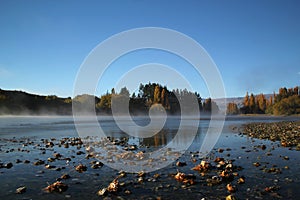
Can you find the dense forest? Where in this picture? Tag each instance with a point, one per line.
(286, 102)
(21, 103)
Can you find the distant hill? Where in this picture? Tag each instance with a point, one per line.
(22, 103)
(222, 106)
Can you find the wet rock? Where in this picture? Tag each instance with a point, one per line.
(50, 159)
(21, 190)
(89, 149)
(49, 144)
(272, 188)
(140, 180)
(80, 168)
(241, 180)
(49, 166)
(65, 176)
(39, 162)
(8, 165)
(122, 174)
(113, 186)
(286, 167)
(203, 166)
(26, 161)
(57, 155)
(102, 192)
(226, 175)
(156, 176)
(132, 147)
(273, 170)
(230, 188)
(56, 187)
(141, 174)
(231, 197)
(186, 179)
(220, 150)
(89, 155)
(97, 165)
(214, 180)
(127, 191)
(79, 153)
(218, 159)
(180, 164)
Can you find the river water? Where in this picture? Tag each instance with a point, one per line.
(23, 138)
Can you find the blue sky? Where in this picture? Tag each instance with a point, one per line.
(255, 44)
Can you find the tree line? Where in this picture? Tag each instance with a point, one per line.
(151, 94)
(18, 102)
(286, 102)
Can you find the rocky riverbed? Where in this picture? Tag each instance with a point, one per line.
(288, 133)
(239, 167)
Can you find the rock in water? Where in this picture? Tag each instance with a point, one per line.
(56, 187)
(21, 190)
(102, 192)
(81, 168)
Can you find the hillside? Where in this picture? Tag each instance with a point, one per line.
(22, 103)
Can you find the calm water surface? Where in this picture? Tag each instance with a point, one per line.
(14, 131)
